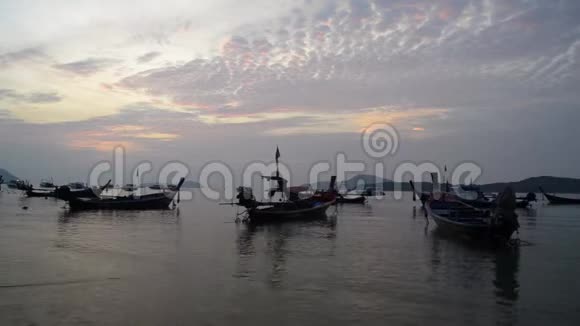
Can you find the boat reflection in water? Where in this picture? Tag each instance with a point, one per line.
(504, 274)
(279, 242)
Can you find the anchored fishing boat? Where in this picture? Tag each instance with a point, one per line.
(456, 216)
(160, 200)
(525, 202)
(32, 192)
(47, 183)
(285, 208)
(557, 200)
(17, 185)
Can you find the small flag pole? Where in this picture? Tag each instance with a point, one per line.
(277, 157)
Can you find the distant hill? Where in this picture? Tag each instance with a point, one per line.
(7, 176)
(352, 183)
(550, 184)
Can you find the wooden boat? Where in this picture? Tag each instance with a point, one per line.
(478, 199)
(525, 202)
(47, 184)
(285, 209)
(32, 192)
(132, 202)
(314, 207)
(557, 200)
(17, 184)
(458, 217)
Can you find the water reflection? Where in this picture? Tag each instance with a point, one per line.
(468, 268)
(529, 216)
(71, 223)
(276, 243)
(165, 216)
(506, 275)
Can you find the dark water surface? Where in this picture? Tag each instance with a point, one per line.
(373, 264)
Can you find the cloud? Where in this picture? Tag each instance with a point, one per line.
(147, 57)
(361, 54)
(87, 67)
(315, 74)
(35, 97)
(10, 58)
(51, 97)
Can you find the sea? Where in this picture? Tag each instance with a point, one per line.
(381, 263)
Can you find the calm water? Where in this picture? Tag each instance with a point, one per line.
(375, 264)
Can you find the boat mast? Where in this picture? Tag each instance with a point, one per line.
(279, 182)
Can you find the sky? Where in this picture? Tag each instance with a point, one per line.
(493, 82)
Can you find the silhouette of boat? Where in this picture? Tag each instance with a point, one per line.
(17, 184)
(39, 193)
(456, 216)
(314, 207)
(49, 184)
(286, 208)
(557, 200)
(160, 200)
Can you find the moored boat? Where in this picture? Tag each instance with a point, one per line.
(32, 192)
(160, 200)
(47, 183)
(525, 202)
(16, 185)
(286, 208)
(458, 217)
(314, 207)
(557, 200)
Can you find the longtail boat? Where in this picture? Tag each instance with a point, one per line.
(32, 192)
(458, 217)
(160, 200)
(557, 200)
(285, 208)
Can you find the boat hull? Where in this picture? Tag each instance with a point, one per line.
(281, 214)
(555, 200)
(477, 228)
(37, 193)
(155, 201)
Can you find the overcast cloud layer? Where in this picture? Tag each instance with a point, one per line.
(495, 82)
